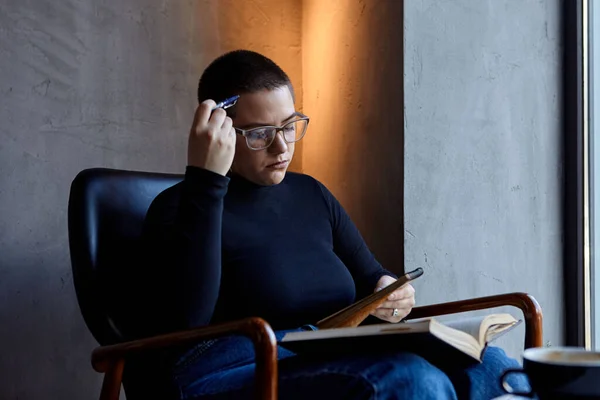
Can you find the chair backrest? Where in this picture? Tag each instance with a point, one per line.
(106, 212)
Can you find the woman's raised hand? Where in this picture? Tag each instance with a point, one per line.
(211, 143)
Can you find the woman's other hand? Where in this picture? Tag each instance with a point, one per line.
(398, 304)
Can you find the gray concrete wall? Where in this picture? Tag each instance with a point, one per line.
(86, 84)
(482, 152)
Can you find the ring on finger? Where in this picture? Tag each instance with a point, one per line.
(396, 312)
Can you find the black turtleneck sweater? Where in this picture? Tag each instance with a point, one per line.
(222, 248)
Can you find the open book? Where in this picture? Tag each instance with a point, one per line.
(469, 336)
(341, 333)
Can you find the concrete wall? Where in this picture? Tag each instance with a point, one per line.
(352, 74)
(482, 151)
(86, 84)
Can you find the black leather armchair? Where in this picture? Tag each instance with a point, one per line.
(105, 219)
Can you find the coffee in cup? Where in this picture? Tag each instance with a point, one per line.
(559, 373)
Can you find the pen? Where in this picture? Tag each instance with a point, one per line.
(225, 104)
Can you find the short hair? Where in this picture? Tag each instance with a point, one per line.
(238, 72)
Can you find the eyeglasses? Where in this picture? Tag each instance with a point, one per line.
(263, 136)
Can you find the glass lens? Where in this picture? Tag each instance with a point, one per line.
(294, 130)
(260, 138)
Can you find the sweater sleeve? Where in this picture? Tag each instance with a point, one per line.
(351, 248)
(182, 238)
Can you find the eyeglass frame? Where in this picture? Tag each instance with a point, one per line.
(244, 132)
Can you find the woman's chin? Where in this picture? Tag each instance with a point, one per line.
(273, 177)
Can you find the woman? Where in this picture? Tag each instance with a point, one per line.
(240, 236)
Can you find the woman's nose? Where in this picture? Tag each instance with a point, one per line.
(279, 145)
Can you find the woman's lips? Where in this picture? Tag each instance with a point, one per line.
(278, 165)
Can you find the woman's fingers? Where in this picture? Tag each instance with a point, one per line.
(404, 303)
(387, 314)
(402, 293)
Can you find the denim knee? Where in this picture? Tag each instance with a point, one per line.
(482, 381)
(496, 362)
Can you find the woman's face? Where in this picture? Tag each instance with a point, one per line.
(267, 107)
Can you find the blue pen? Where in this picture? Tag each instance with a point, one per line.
(225, 104)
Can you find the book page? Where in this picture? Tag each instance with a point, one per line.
(458, 338)
(495, 331)
(470, 325)
(484, 328)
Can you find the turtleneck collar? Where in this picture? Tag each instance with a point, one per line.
(238, 182)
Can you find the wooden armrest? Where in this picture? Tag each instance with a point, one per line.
(532, 312)
(111, 359)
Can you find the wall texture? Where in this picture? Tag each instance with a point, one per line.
(482, 151)
(86, 84)
(352, 66)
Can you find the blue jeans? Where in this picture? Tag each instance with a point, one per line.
(224, 369)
